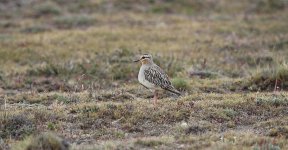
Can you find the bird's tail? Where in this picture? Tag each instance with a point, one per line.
(173, 90)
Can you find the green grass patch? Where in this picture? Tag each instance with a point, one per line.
(181, 84)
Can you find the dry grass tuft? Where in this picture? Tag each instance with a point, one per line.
(43, 141)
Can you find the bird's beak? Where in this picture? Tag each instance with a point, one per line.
(136, 60)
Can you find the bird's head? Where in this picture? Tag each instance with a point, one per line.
(145, 59)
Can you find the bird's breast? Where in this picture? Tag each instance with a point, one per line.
(142, 80)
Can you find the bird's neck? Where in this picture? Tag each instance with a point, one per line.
(146, 62)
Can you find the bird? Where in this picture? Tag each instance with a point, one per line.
(152, 77)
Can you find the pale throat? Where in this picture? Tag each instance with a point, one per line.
(145, 61)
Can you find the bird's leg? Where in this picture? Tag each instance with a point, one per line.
(155, 97)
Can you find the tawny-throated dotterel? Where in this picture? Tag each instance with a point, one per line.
(153, 77)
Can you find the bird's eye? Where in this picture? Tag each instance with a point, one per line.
(142, 57)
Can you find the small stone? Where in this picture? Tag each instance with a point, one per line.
(184, 124)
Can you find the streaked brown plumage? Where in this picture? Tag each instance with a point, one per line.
(153, 77)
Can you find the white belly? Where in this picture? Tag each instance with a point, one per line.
(142, 80)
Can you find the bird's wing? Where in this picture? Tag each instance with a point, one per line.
(157, 76)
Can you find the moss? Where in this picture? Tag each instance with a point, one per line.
(181, 84)
(230, 112)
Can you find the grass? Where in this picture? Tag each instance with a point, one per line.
(47, 8)
(180, 83)
(17, 127)
(70, 71)
(269, 78)
(35, 29)
(71, 21)
(45, 140)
